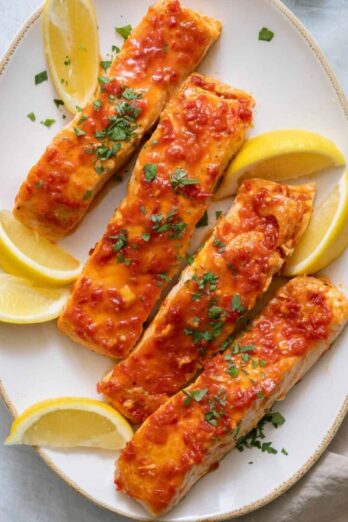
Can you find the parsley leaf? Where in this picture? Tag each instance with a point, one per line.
(97, 104)
(41, 77)
(203, 222)
(237, 305)
(150, 171)
(124, 31)
(87, 195)
(105, 64)
(79, 132)
(131, 94)
(31, 116)
(179, 179)
(254, 438)
(48, 122)
(189, 259)
(266, 34)
(58, 102)
(121, 240)
(196, 395)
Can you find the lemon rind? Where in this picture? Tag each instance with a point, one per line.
(251, 154)
(314, 263)
(50, 313)
(29, 416)
(32, 269)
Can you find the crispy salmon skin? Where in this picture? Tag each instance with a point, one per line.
(163, 49)
(235, 266)
(195, 428)
(200, 130)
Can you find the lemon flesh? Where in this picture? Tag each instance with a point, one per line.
(22, 302)
(71, 422)
(280, 155)
(326, 236)
(24, 252)
(72, 49)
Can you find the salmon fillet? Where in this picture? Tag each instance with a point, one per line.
(144, 244)
(161, 51)
(195, 428)
(236, 265)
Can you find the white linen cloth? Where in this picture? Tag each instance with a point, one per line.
(31, 492)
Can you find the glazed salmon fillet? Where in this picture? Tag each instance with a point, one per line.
(200, 130)
(160, 53)
(195, 428)
(236, 265)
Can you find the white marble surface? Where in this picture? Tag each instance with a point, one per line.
(30, 492)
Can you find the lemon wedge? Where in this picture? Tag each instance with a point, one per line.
(72, 49)
(25, 253)
(280, 155)
(22, 302)
(71, 422)
(326, 236)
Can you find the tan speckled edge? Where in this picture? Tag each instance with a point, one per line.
(277, 4)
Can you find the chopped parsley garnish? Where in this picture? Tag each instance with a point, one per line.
(161, 224)
(208, 280)
(82, 119)
(104, 153)
(78, 108)
(216, 408)
(180, 179)
(150, 171)
(39, 184)
(121, 240)
(161, 278)
(58, 102)
(237, 348)
(237, 305)
(41, 77)
(189, 259)
(215, 311)
(220, 245)
(103, 80)
(255, 437)
(284, 451)
(121, 258)
(48, 122)
(146, 237)
(97, 104)
(203, 222)
(115, 49)
(131, 94)
(266, 34)
(99, 169)
(231, 369)
(143, 210)
(105, 64)
(218, 213)
(126, 109)
(196, 395)
(79, 132)
(87, 195)
(31, 116)
(124, 31)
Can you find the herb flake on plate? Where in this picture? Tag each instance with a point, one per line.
(265, 34)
